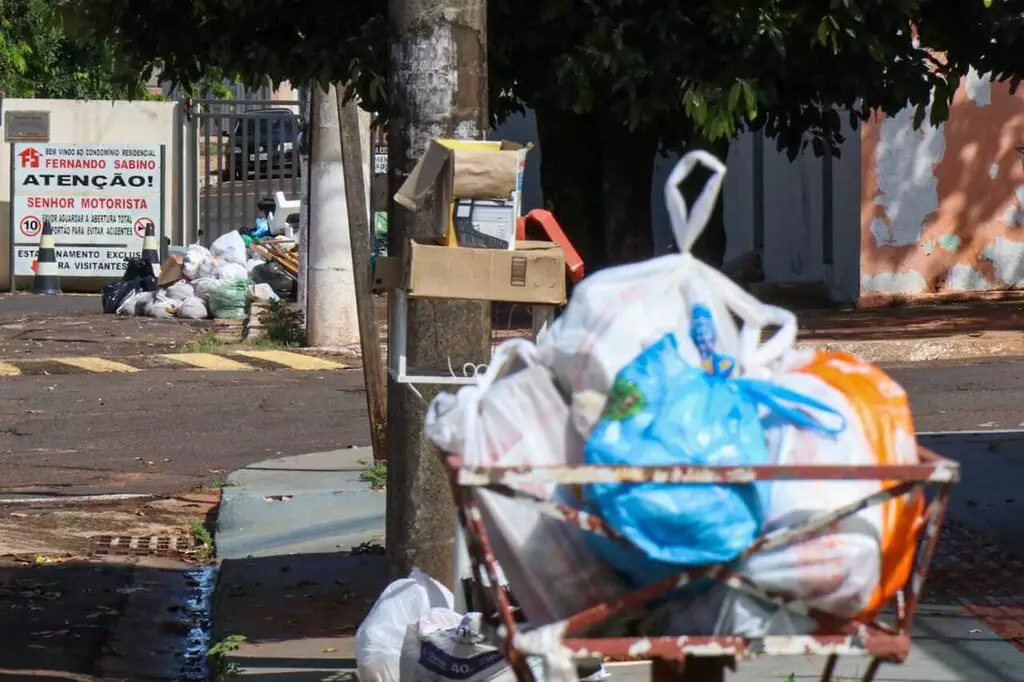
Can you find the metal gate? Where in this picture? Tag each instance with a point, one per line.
(241, 151)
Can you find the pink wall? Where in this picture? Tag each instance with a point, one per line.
(942, 209)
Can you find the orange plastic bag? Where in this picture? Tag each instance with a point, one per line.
(884, 412)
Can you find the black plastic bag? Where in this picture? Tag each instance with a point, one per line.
(140, 269)
(115, 293)
(276, 276)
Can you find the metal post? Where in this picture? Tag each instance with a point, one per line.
(438, 89)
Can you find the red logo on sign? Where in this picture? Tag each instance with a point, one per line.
(141, 224)
(30, 226)
(30, 158)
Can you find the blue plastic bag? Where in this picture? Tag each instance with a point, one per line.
(662, 411)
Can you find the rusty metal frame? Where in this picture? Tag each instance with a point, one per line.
(881, 641)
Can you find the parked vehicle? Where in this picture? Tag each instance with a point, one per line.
(263, 142)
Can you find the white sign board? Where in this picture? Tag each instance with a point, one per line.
(98, 198)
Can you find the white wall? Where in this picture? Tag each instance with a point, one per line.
(101, 122)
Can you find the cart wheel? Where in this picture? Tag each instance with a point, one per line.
(695, 669)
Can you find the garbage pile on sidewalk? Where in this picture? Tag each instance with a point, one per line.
(218, 282)
(413, 634)
(669, 363)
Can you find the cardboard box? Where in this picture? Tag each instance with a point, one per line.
(171, 271)
(477, 187)
(532, 273)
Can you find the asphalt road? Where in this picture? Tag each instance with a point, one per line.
(160, 431)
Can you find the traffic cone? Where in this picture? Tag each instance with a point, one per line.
(150, 248)
(47, 277)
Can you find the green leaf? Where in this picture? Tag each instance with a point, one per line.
(750, 98)
(734, 96)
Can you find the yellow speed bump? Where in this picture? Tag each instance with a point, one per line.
(298, 361)
(8, 370)
(210, 361)
(100, 365)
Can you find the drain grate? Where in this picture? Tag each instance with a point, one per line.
(140, 545)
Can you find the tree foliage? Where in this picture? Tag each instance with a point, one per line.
(38, 59)
(613, 80)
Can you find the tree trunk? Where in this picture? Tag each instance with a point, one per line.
(571, 179)
(626, 192)
(710, 246)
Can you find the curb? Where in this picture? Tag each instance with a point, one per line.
(234, 361)
(983, 345)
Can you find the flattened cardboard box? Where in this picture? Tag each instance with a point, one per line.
(477, 188)
(533, 273)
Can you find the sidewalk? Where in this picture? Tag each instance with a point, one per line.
(296, 590)
(918, 333)
(301, 544)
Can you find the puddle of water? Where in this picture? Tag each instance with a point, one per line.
(201, 581)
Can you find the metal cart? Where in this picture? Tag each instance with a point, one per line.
(702, 658)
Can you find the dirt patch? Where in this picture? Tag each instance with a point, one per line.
(36, 334)
(53, 529)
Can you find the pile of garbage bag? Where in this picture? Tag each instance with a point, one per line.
(413, 634)
(669, 363)
(218, 282)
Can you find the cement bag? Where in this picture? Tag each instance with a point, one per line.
(180, 291)
(202, 286)
(515, 416)
(231, 271)
(381, 635)
(230, 247)
(883, 413)
(227, 300)
(445, 645)
(193, 308)
(616, 313)
(195, 256)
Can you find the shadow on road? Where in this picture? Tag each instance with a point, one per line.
(296, 612)
(74, 620)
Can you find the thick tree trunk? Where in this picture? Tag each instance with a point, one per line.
(626, 193)
(571, 179)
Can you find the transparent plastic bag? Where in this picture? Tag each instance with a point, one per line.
(381, 635)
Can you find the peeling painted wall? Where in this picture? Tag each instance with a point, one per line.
(942, 208)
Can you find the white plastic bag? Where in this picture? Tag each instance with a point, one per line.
(228, 272)
(230, 247)
(160, 305)
(381, 635)
(836, 572)
(193, 308)
(262, 292)
(202, 286)
(253, 263)
(133, 304)
(515, 416)
(445, 645)
(210, 268)
(180, 291)
(195, 256)
(617, 313)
